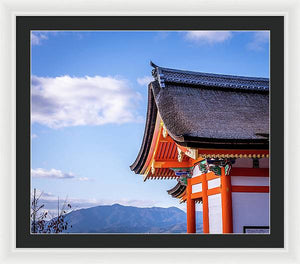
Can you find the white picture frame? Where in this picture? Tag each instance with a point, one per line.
(9, 9)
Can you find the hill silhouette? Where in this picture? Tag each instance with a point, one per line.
(129, 219)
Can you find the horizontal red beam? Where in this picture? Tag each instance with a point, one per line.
(213, 191)
(196, 180)
(211, 176)
(255, 172)
(254, 189)
(171, 164)
(196, 195)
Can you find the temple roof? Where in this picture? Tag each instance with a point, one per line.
(204, 110)
(177, 190)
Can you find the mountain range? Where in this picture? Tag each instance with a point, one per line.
(118, 218)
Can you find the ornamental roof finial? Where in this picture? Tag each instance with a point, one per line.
(153, 64)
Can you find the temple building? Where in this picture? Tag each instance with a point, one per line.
(210, 132)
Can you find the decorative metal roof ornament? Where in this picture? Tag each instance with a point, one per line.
(214, 165)
(152, 167)
(215, 169)
(228, 167)
(183, 180)
(180, 154)
(203, 166)
(183, 172)
(164, 132)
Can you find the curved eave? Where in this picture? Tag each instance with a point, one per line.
(148, 134)
(174, 189)
(177, 191)
(211, 143)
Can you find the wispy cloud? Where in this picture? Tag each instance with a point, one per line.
(208, 36)
(37, 38)
(56, 174)
(50, 201)
(260, 40)
(78, 101)
(33, 136)
(51, 174)
(144, 80)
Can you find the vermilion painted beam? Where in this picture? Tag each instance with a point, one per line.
(255, 189)
(196, 195)
(255, 172)
(171, 164)
(196, 180)
(190, 209)
(226, 199)
(213, 191)
(211, 176)
(205, 205)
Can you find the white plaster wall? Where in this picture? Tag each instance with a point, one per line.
(199, 218)
(243, 163)
(249, 209)
(248, 163)
(215, 214)
(213, 183)
(197, 188)
(250, 181)
(264, 163)
(196, 171)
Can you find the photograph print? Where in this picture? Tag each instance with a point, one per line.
(150, 132)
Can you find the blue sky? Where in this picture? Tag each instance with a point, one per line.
(89, 99)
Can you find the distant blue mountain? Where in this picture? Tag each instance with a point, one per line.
(128, 219)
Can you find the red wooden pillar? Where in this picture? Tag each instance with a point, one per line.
(226, 202)
(190, 209)
(205, 205)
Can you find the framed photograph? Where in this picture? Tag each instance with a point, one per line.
(113, 111)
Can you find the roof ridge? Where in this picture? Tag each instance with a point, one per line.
(216, 74)
(167, 75)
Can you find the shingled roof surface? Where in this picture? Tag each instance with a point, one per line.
(207, 110)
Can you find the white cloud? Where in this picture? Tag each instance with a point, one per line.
(51, 174)
(77, 101)
(55, 174)
(37, 38)
(260, 39)
(208, 36)
(33, 136)
(145, 80)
